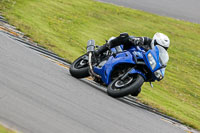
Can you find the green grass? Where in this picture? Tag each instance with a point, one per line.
(64, 26)
(5, 130)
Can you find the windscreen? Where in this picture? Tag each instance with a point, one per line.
(163, 55)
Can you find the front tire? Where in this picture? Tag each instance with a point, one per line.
(80, 68)
(136, 93)
(118, 88)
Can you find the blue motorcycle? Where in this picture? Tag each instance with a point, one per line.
(122, 71)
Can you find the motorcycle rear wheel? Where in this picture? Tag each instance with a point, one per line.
(79, 68)
(119, 88)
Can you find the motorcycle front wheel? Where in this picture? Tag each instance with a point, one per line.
(80, 68)
(129, 85)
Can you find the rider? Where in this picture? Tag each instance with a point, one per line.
(127, 41)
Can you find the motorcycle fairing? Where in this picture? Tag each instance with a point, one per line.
(108, 67)
(155, 54)
(135, 71)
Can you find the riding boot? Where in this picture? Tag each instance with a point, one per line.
(102, 49)
(116, 41)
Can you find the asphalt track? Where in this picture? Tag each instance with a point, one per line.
(181, 9)
(39, 96)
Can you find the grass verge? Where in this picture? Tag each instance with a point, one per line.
(64, 26)
(5, 130)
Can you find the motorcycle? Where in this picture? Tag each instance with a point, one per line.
(122, 71)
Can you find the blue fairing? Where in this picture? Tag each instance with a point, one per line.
(132, 56)
(120, 58)
(155, 53)
(139, 72)
(106, 70)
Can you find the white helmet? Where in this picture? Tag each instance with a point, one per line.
(161, 39)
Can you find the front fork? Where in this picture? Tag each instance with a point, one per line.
(131, 71)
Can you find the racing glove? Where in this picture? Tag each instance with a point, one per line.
(137, 41)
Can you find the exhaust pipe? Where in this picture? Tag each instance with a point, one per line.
(90, 50)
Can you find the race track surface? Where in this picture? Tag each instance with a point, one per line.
(188, 10)
(39, 96)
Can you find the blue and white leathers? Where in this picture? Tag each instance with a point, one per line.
(155, 60)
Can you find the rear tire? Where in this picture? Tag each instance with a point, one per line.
(79, 68)
(119, 88)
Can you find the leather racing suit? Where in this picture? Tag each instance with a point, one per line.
(127, 41)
